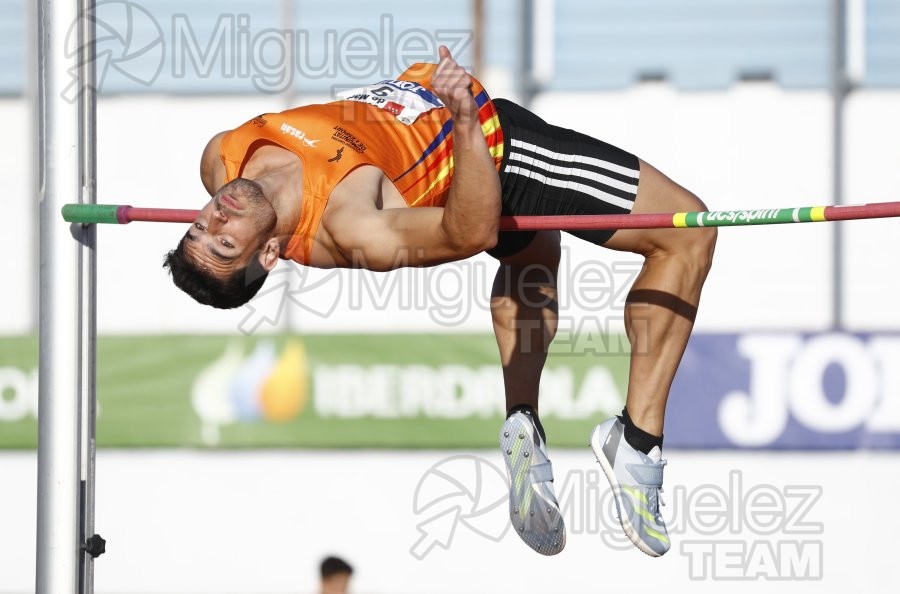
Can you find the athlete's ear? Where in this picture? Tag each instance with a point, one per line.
(268, 254)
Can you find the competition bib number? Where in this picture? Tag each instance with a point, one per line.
(403, 99)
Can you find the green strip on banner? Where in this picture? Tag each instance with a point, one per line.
(318, 391)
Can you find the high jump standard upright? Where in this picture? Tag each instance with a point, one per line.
(66, 543)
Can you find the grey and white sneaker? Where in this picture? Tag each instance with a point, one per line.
(533, 508)
(636, 480)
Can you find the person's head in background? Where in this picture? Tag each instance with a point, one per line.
(335, 575)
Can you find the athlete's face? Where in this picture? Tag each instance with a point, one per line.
(338, 583)
(229, 230)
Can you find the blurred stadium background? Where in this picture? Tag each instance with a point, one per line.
(357, 413)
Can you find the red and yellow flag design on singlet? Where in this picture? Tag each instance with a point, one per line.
(398, 125)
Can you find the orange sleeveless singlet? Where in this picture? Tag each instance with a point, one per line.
(398, 125)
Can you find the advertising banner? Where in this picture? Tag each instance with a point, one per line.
(755, 390)
(396, 391)
(787, 391)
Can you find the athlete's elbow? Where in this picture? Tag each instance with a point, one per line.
(474, 237)
(471, 226)
(488, 240)
(486, 236)
(472, 241)
(489, 224)
(489, 228)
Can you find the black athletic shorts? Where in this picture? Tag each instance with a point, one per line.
(548, 170)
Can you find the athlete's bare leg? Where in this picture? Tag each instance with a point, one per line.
(659, 315)
(524, 310)
(661, 306)
(525, 315)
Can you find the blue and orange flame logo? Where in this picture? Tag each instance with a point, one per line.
(264, 386)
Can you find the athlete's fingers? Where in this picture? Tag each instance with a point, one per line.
(447, 84)
(453, 77)
(453, 85)
(457, 84)
(454, 91)
(445, 60)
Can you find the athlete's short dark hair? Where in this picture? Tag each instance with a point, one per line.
(334, 566)
(236, 290)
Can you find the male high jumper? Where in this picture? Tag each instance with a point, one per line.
(416, 171)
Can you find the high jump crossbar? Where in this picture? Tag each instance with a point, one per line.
(122, 214)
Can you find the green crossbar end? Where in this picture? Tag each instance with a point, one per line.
(90, 213)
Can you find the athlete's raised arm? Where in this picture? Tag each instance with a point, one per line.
(473, 205)
(383, 239)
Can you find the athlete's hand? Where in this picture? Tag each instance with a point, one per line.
(453, 85)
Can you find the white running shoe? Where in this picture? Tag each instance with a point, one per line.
(533, 508)
(636, 480)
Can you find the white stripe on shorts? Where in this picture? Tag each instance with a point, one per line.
(568, 183)
(574, 172)
(516, 143)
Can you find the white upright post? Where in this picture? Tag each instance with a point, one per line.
(59, 530)
(87, 315)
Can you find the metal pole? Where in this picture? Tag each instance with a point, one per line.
(58, 542)
(478, 34)
(525, 65)
(288, 26)
(88, 295)
(839, 91)
(31, 97)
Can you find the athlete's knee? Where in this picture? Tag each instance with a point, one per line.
(703, 246)
(533, 285)
(693, 248)
(698, 245)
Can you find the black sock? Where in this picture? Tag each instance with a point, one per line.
(637, 437)
(525, 408)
